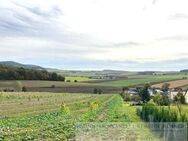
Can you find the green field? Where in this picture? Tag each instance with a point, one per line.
(142, 80)
(49, 116)
(85, 86)
(78, 78)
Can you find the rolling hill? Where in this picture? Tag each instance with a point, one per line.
(19, 65)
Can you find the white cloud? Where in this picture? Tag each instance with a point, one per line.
(151, 52)
(140, 31)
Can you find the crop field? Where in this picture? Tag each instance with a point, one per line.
(185, 87)
(173, 84)
(56, 86)
(141, 80)
(50, 116)
(107, 86)
(78, 78)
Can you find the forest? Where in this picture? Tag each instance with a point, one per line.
(17, 73)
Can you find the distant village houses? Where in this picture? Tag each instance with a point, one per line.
(171, 93)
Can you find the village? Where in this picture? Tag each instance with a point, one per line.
(165, 91)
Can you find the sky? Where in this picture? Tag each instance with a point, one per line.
(126, 35)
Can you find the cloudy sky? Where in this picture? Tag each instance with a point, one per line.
(96, 34)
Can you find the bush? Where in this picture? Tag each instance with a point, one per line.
(128, 97)
(8, 90)
(152, 113)
(135, 98)
(97, 91)
(165, 101)
(24, 89)
(180, 98)
(75, 81)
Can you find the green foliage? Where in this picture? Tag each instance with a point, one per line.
(144, 94)
(14, 73)
(64, 108)
(180, 98)
(152, 113)
(24, 89)
(142, 80)
(161, 100)
(165, 87)
(97, 91)
(157, 98)
(165, 101)
(126, 96)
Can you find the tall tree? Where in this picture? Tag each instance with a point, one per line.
(144, 94)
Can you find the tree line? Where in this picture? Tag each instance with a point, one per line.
(14, 73)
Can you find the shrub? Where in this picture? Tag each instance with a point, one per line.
(97, 91)
(180, 98)
(135, 98)
(165, 101)
(152, 113)
(24, 89)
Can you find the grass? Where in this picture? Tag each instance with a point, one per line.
(138, 81)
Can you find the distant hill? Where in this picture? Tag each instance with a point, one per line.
(184, 71)
(19, 65)
(8, 72)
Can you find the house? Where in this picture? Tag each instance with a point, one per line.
(132, 91)
(153, 91)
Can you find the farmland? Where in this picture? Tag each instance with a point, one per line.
(79, 78)
(54, 116)
(173, 84)
(143, 80)
(49, 116)
(86, 85)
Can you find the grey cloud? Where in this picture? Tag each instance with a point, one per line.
(31, 22)
(54, 10)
